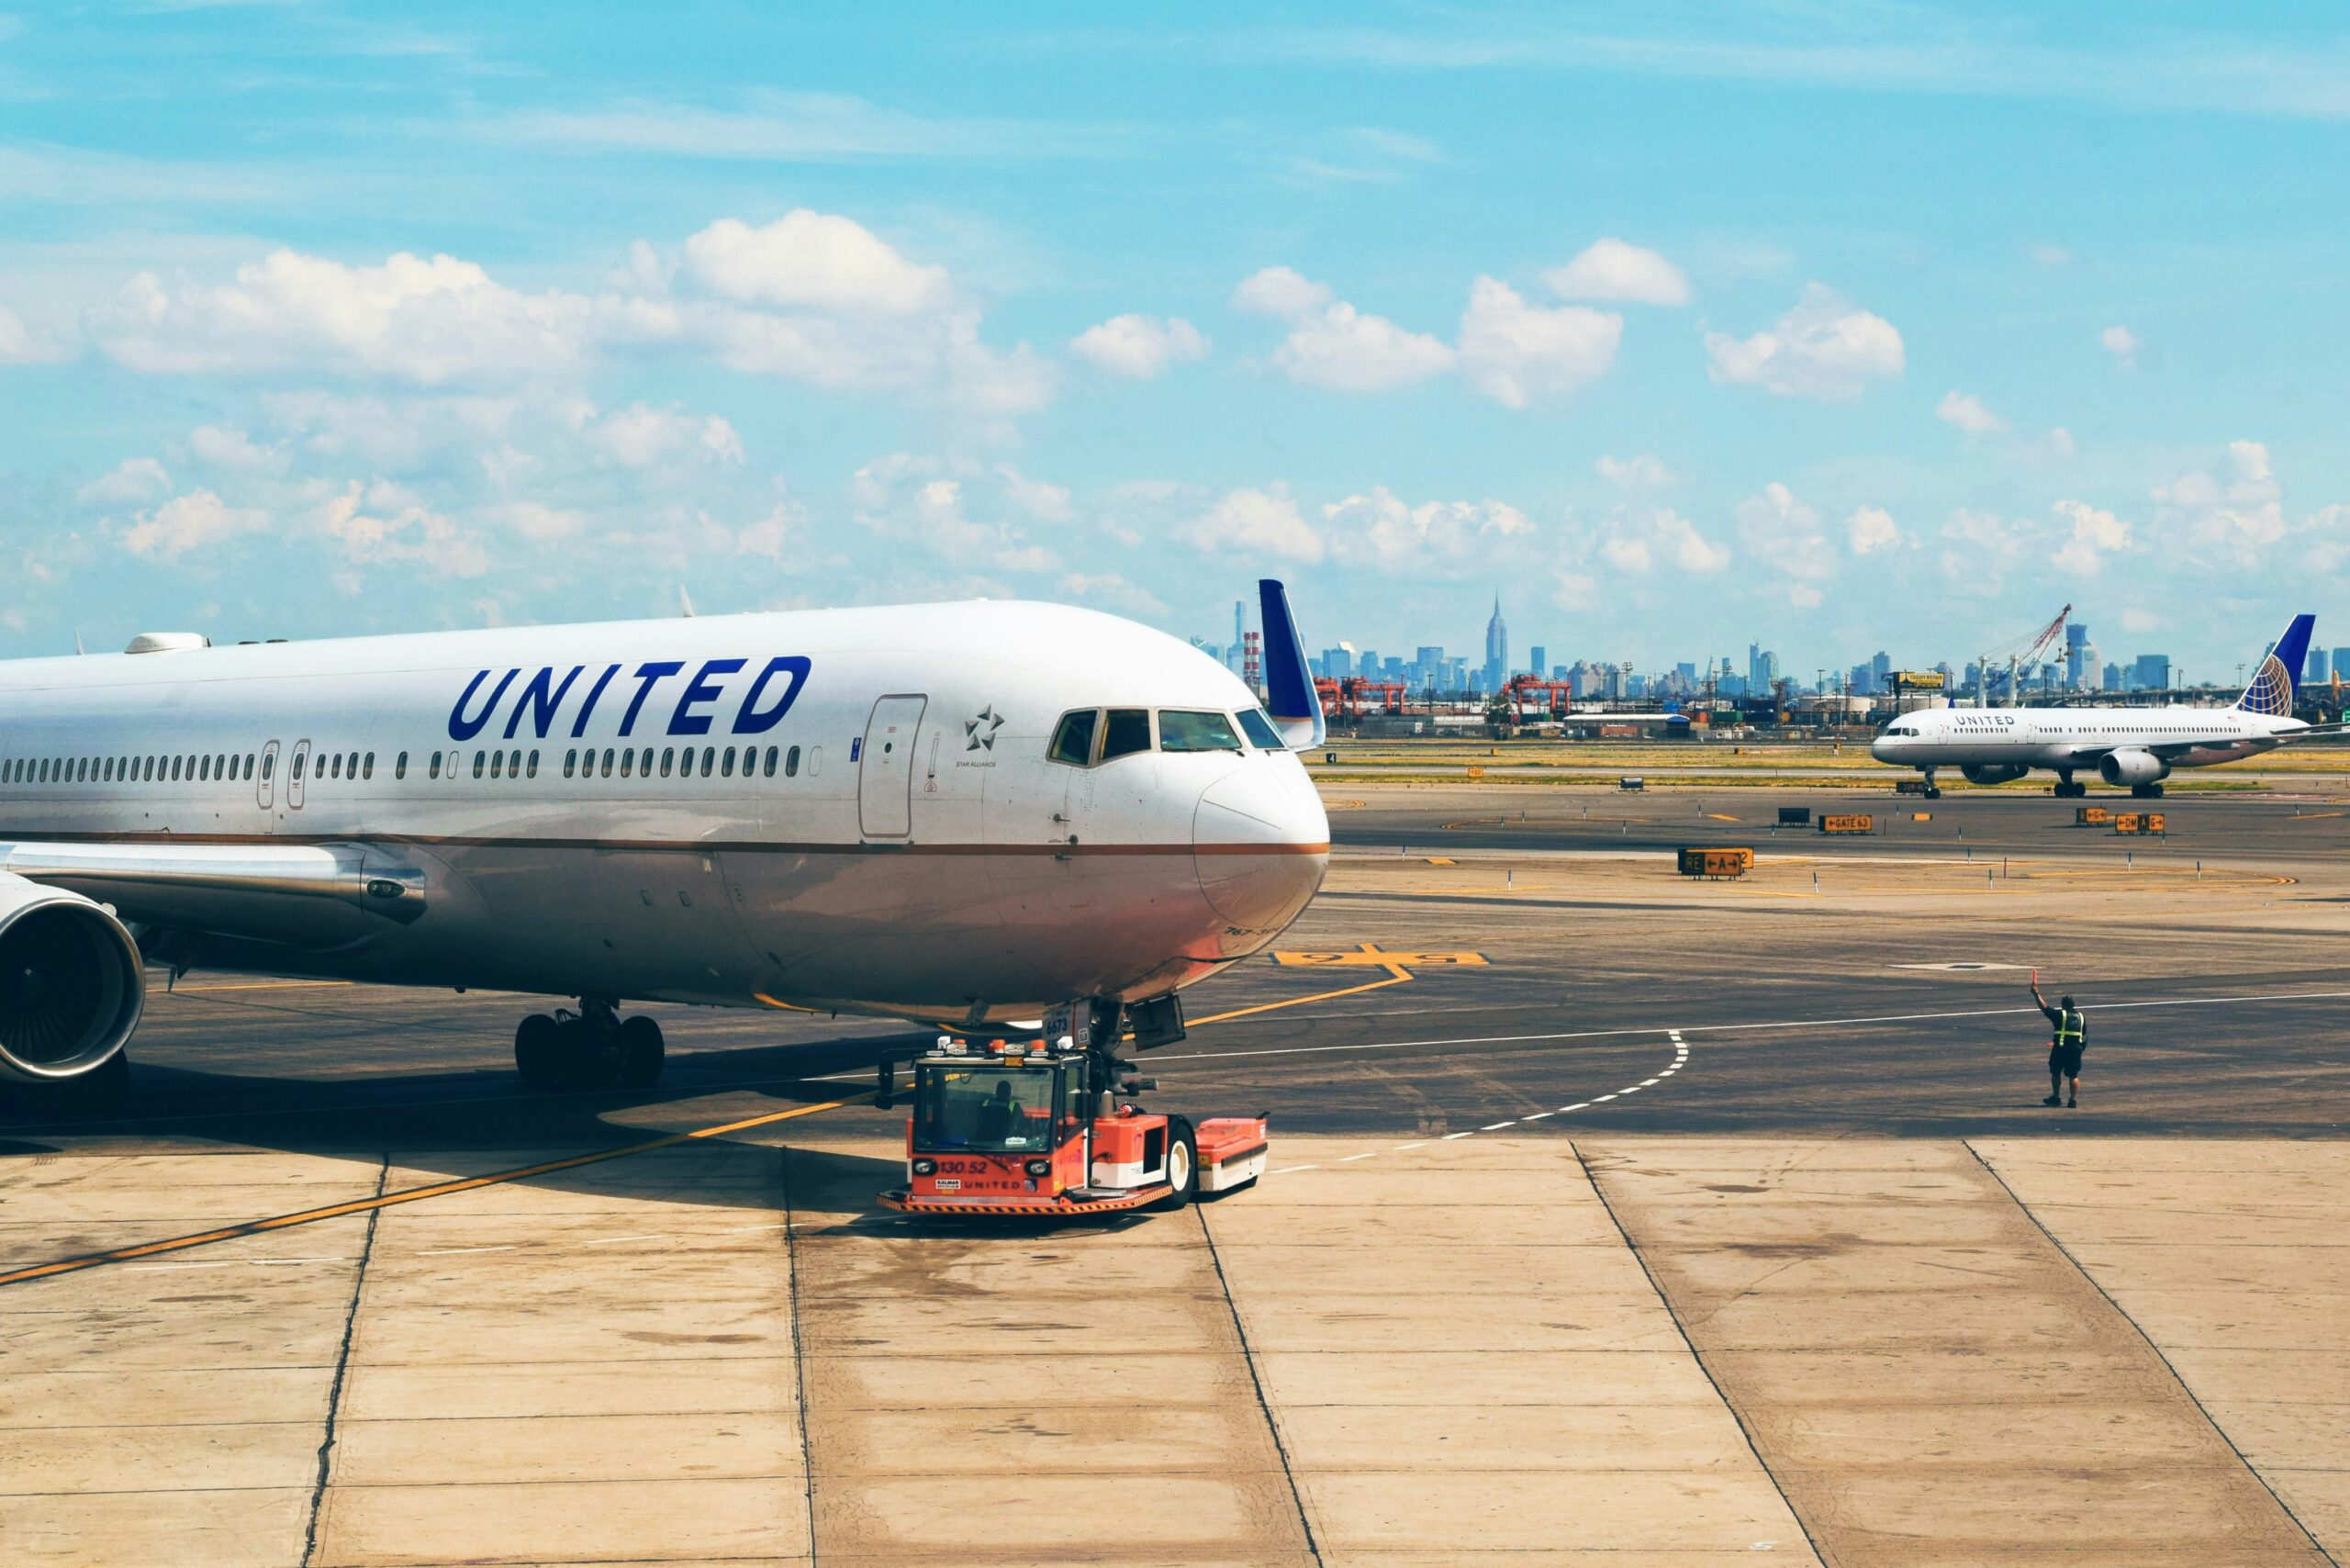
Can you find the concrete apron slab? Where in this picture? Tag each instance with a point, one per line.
(1468, 1366)
(2239, 1270)
(570, 1401)
(171, 1411)
(1027, 1395)
(1929, 1377)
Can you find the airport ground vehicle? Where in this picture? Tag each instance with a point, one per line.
(1041, 1128)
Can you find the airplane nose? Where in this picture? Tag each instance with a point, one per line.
(1882, 750)
(1261, 843)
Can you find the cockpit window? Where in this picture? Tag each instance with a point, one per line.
(1128, 731)
(1180, 731)
(1260, 729)
(1073, 739)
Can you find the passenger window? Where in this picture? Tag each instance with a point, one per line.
(497, 764)
(269, 765)
(709, 759)
(1260, 729)
(480, 762)
(399, 765)
(608, 762)
(628, 763)
(769, 770)
(534, 764)
(1073, 738)
(1179, 730)
(644, 763)
(1127, 732)
(669, 760)
(726, 763)
(431, 770)
(334, 766)
(791, 763)
(570, 760)
(815, 760)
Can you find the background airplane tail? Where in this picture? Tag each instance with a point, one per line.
(2278, 680)
(1289, 697)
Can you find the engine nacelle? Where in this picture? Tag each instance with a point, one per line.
(1992, 773)
(71, 983)
(2131, 767)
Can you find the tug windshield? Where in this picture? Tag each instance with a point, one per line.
(985, 1107)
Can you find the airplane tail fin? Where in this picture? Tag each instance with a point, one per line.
(2278, 680)
(1289, 697)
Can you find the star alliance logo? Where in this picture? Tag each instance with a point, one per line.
(979, 735)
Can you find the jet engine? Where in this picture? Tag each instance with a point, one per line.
(1990, 773)
(2131, 767)
(71, 983)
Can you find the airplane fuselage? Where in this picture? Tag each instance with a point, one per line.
(839, 809)
(2069, 738)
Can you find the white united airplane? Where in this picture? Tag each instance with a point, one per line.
(958, 814)
(2136, 747)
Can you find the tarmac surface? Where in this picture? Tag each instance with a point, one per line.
(1615, 1217)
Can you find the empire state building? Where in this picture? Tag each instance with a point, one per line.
(1497, 649)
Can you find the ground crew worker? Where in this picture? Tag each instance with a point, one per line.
(2070, 1032)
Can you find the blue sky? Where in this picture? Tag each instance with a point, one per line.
(1839, 328)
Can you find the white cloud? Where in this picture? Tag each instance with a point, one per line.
(1333, 345)
(19, 344)
(2123, 345)
(539, 522)
(1640, 472)
(226, 447)
(2094, 534)
(1340, 349)
(1099, 589)
(2233, 516)
(132, 479)
(1378, 529)
(1257, 522)
(812, 260)
(1576, 590)
(1872, 529)
(1610, 269)
(640, 435)
(426, 321)
(1280, 291)
(189, 523)
(1638, 541)
(1823, 349)
(389, 523)
(1966, 411)
(1139, 346)
(2142, 621)
(1041, 500)
(1980, 549)
(2060, 440)
(955, 510)
(1783, 532)
(1514, 353)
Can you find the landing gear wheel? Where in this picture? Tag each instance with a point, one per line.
(1182, 1166)
(541, 1053)
(2067, 790)
(1933, 792)
(2146, 792)
(641, 1053)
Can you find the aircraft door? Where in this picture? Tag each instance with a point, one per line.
(266, 784)
(293, 774)
(885, 767)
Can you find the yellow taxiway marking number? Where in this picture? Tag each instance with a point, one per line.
(1442, 860)
(412, 1195)
(1374, 957)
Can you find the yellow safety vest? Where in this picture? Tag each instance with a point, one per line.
(2069, 1027)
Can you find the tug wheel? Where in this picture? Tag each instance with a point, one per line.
(1182, 1166)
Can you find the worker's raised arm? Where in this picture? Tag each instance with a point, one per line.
(2035, 990)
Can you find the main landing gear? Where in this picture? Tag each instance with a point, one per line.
(2067, 790)
(593, 1049)
(2147, 792)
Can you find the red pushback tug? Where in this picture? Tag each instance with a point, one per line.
(1038, 1129)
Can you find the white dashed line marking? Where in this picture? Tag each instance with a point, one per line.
(616, 1241)
(1680, 1059)
(454, 1251)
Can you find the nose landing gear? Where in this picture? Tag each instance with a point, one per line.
(593, 1049)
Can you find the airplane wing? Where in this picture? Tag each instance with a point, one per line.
(1289, 697)
(313, 895)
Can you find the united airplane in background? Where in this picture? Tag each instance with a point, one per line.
(958, 813)
(2136, 747)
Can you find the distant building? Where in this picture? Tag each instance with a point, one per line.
(2315, 670)
(1496, 648)
(1367, 665)
(1338, 663)
(1428, 668)
(2112, 677)
(2080, 661)
(1538, 659)
(2342, 662)
(2150, 672)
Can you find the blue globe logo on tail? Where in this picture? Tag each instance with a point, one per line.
(2278, 680)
